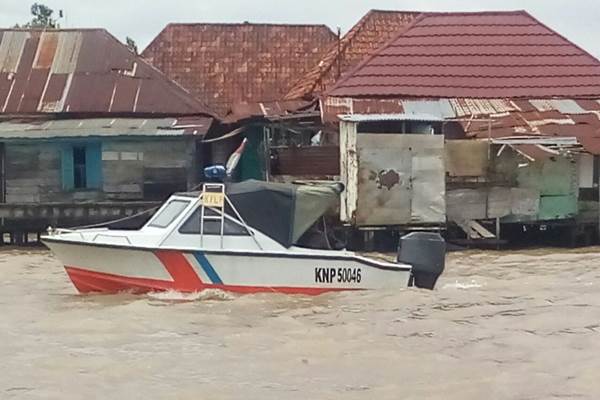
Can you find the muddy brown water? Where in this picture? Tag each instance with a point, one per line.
(501, 325)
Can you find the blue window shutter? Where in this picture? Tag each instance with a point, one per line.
(67, 172)
(93, 165)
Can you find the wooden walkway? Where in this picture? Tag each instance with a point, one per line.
(22, 224)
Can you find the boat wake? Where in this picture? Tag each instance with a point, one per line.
(462, 285)
(175, 296)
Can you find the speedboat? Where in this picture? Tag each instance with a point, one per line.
(238, 237)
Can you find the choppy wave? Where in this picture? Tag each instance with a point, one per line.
(502, 326)
(175, 296)
(462, 285)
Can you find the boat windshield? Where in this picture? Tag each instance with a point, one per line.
(211, 226)
(168, 214)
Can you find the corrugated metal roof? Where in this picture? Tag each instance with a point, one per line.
(103, 127)
(272, 109)
(389, 117)
(537, 140)
(554, 120)
(441, 108)
(534, 151)
(498, 118)
(224, 64)
(83, 71)
(475, 55)
(374, 29)
(566, 106)
(331, 107)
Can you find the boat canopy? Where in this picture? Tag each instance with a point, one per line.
(282, 211)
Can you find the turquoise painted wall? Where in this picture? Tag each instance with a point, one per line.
(557, 181)
(93, 164)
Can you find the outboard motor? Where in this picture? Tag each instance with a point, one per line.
(426, 252)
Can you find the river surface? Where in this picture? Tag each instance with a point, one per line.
(501, 325)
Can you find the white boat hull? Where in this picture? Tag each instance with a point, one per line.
(114, 268)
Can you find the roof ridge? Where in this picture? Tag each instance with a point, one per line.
(562, 37)
(444, 13)
(46, 29)
(358, 81)
(475, 86)
(350, 35)
(336, 49)
(477, 44)
(484, 65)
(247, 23)
(167, 27)
(466, 13)
(388, 11)
(154, 39)
(481, 75)
(376, 52)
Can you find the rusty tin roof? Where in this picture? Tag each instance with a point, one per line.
(224, 64)
(475, 55)
(373, 30)
(83, 71)
(494, 118)
(102, 127)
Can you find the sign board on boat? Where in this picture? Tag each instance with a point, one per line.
(213, 199)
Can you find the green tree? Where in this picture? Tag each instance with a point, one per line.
(42, 17)
(131, 45)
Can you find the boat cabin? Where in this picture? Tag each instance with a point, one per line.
(246, 216)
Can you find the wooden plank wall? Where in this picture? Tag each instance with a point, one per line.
(314, 161)
(131, 170)
(32, 173)
(149, 170)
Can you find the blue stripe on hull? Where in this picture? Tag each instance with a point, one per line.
(208, 268)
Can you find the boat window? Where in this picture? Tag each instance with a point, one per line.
(211, 226)
(169, 213)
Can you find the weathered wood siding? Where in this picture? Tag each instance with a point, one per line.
(312, 161)
(33, 173)
(131, 170)
(149, 170)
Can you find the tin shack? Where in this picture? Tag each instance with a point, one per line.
(519, 110)
(243, 71)
(89, 131)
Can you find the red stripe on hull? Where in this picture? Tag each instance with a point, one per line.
(90, 281)
(99, 282)
(184, 276)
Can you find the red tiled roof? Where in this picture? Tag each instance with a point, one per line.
(373, 30)
(83, 71)
(223, 64)
(475, 55)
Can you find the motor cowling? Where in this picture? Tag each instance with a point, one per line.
(426, 252)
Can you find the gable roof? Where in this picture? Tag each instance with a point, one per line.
(83, 71)
(223, 64)
(475, 55)
(373, 30)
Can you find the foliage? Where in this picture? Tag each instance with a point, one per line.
(42, 18)
(131, 45)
